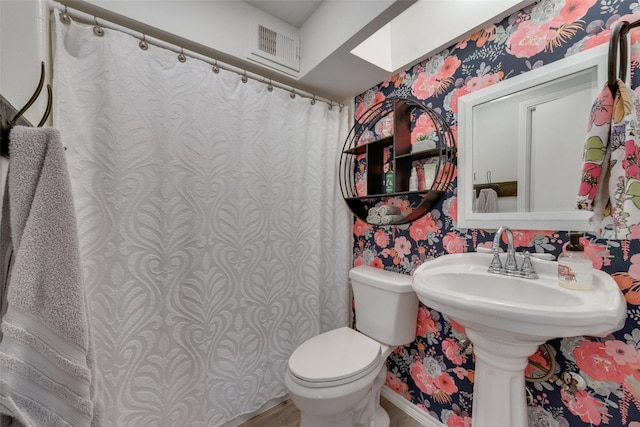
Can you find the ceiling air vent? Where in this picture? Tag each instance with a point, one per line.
(276, 48)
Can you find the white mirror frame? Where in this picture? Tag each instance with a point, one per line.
(564, 220)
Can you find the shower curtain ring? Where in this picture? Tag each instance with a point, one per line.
(244, 77)
(331, 105)
(313, 100)
(270, 86)
(97, 30)
(64, 17)
(215, 67)
(182, 57)
(293, 93)
(143, 43)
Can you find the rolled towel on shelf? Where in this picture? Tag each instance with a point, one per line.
(374, 219)
(373, 212)
(390, 219)
(388, 210)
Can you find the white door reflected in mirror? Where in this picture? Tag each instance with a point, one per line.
(524, 139)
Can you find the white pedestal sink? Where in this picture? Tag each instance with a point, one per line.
(507, 318)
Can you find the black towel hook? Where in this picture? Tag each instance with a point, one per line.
(33, 99)
(617, 69)
(618, 41)
(8, 124)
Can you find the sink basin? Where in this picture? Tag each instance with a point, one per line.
(460, 286)
(507, 318)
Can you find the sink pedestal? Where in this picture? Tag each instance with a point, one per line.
(499, 389)
(508, 317)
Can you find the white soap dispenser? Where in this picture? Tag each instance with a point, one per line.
(575, 269)
(413, 180)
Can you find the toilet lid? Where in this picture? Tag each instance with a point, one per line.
(335, 355)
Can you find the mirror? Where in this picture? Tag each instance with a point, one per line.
(523, 139)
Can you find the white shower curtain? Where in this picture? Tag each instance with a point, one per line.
(213, 237)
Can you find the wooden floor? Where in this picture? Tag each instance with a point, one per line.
(286, 414)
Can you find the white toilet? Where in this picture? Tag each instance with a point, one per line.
(335, 378)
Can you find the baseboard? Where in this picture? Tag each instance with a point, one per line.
(410, 409)
(263, 410)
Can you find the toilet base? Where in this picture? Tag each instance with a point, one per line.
(363, 407)
(379, 419)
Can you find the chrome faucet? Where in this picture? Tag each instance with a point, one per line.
(510, 267)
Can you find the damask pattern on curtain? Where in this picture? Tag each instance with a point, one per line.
(213, 236)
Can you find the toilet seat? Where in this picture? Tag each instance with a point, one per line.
(333, 358)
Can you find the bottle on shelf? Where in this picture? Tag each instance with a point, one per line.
(388, 180)
(413, 180)
(421, 182)
(429, 173)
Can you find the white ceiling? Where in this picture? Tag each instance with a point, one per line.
(336, 61)
(294, 13)
(392, 46)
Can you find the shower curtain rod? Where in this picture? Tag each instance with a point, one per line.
(183, 53)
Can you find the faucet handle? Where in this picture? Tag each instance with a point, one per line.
(527, 269)
(510, 264)
(496, 264)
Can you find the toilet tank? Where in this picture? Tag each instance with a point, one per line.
(385, 304)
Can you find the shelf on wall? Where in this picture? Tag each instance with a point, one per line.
(364, 165)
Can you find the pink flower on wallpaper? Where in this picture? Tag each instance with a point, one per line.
(452, 352)
(425, 323)
(588, 408)
(600, 38)
(592, 358)
(449, 67)
(377, 263)
(381, 238)
(360, 227)
(458, 421)
(521, 238)
(621, 352)
(423, 127)
(358, 261)
(364, 106)
(422, 407)
(600, 255)
(572, 11)
(420, 229)
(457, 93)
(402, 246)
(528, 39)
(452, 210)
(424, 86)
(454, 244)
(454, 132)
(461, 373)
(396, 384)
(479, 82)
(421, 378)
(634, 269)
(445, 383)
(457, 326)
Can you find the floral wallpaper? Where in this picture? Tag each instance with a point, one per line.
(593, 381)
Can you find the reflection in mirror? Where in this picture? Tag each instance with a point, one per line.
(521, 143)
